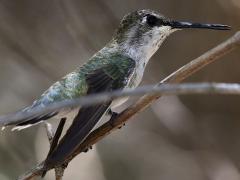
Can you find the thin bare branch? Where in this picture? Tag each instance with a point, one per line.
(161, 89)
(59, 171)
(175, 77)
(53, 140)
(50, 132)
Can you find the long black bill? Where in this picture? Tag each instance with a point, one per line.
(183, 25)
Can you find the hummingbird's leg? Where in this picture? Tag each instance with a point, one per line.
(113, 117)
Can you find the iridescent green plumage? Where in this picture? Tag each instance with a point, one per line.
(74, 85)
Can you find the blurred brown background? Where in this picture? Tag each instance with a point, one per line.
(184, 138)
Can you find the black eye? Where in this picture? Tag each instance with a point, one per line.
(152, 20)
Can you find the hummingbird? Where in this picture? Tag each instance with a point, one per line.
(118, 65)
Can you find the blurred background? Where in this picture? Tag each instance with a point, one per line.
(187, 137)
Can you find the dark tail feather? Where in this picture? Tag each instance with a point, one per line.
(83, 123)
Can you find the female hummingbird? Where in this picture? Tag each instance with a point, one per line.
(118, 65)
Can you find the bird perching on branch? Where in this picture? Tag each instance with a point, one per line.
(119, 65)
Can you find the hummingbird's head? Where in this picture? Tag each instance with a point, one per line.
(142, 32)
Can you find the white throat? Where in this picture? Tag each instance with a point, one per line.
(143, 50)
